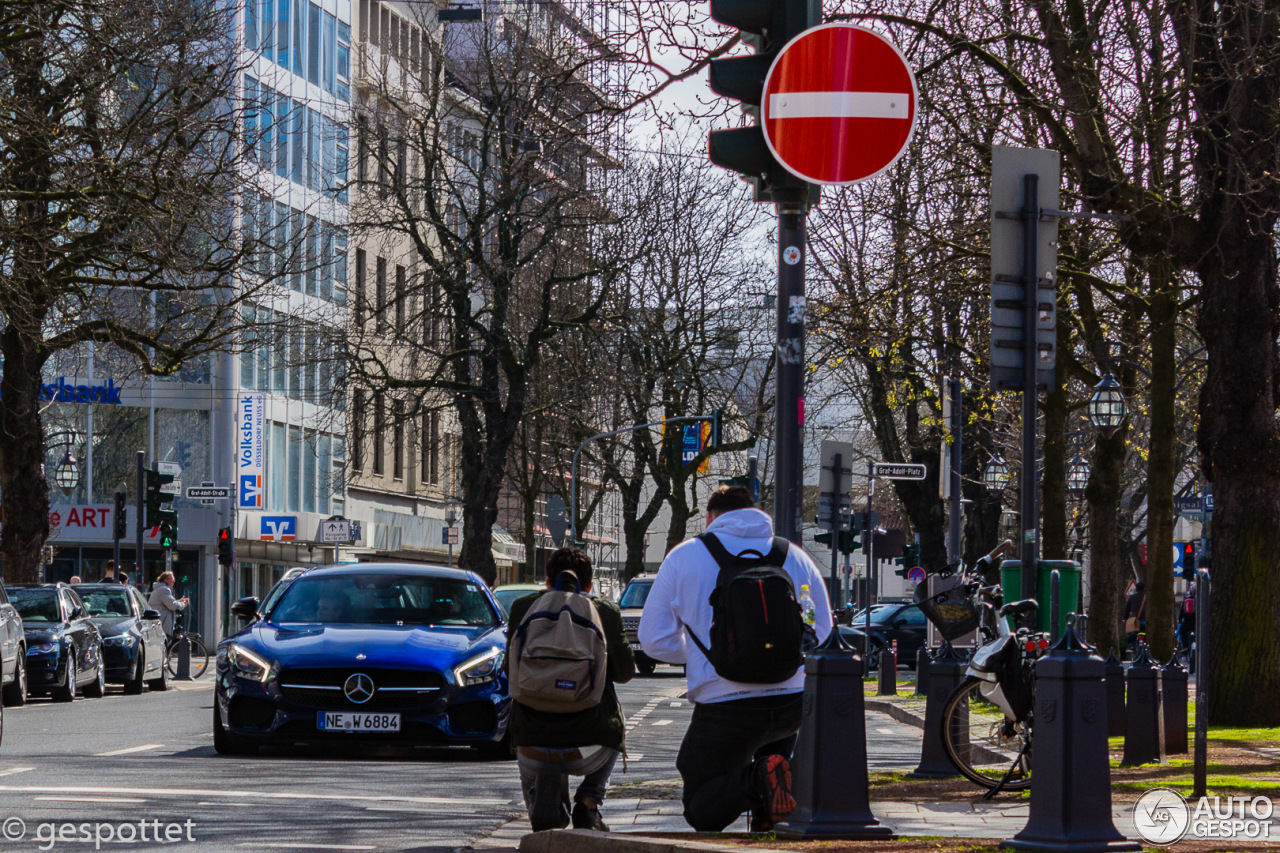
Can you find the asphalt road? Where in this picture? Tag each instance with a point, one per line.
(142, 766)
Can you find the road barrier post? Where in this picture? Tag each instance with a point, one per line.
(923, 659)
(888, 672)
(1142, 736)
(1173, 690)
(1115, 696)
(946, 673)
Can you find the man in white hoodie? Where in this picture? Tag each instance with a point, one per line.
(736, 754)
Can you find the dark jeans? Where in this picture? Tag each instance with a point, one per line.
(717, 759)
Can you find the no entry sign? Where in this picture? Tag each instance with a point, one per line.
(839, 104)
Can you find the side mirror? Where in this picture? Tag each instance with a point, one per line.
(151, 615)
(245, 608)
(77, 612)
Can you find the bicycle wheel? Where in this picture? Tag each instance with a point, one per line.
(982, 743)
(199, 657)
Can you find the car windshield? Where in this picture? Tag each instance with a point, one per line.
(384, 599)
(106, 602)
(887, 613)
(635, 594)
(35, 605)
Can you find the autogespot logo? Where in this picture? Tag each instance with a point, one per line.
(1161, 816)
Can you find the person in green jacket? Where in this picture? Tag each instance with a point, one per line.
(551, 747)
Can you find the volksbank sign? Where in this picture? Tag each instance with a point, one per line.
(61, 392)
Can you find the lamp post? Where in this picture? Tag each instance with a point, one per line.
(1107, 408)
(1078, 470)
(67, 474)
(995, 477)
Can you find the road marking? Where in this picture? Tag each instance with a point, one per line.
(144, 748)
(635, 756)
(676, 704)
(244, 805)
(14, 771)
(663, 722)
(243, 794)
(284, 845)
(91, 799)
(886, 731)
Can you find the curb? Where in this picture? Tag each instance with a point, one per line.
(589, 841)
(899, 713)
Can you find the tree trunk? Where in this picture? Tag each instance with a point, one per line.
(682, 509)
(1106, 554)
(24, 491)
(1161, 463)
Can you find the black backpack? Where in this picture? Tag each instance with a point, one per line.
(757, 630)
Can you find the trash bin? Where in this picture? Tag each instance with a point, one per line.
(1068, 588)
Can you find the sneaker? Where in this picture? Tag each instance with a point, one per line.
(776, 789)
(759, 820)
(588, 817)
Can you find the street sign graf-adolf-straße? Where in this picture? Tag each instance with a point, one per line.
(897, 471)
(839, 104)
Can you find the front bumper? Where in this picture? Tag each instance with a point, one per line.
(475, 715)
(46, 669)
(120, 659)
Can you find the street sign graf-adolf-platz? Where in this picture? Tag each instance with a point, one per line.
(839, 104)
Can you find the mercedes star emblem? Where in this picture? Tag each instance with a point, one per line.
(358, 688)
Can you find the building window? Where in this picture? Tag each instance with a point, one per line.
(397, 440)
(379, 433)
(357, 431)
(431, 448)
(401, 299)
(295, 469)
(360, 292)
(380, 297)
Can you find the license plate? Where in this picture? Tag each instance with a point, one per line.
(635, 647)
(348, 722)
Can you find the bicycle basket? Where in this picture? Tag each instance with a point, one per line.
(951, 612)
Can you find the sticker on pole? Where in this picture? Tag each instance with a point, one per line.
(839, 104)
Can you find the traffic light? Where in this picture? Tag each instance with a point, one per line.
(168, 535)
(849, 541)
(823, 537)
(119, 520)
(157, 502)
(716, 417)
(226, 547)
(766, 25)
(909, 560)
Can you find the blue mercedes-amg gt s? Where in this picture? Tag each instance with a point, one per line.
(377, 652)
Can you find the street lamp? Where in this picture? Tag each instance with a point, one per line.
(996, 475)
(1106, 406)
(67, 474)
(450, 519)
(1078, 471)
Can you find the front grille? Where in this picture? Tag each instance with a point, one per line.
(631, 626)
(394, 689)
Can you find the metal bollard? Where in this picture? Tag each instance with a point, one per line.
(184, 660)
(1142, 736)
(946, 673)
(888, 685)
(1115, 696)
(829, 770)
(1070, 804)
(1173, 693)
(923, 659)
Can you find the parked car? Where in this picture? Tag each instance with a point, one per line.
(64, 647)
(376, 652)
(632, 605)
(13, 653)
(132, 636)
(902, 622)
(507, 593)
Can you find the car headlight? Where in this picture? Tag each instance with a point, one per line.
(479, 669)
(120, 640)
(246, 664)
(42, 649)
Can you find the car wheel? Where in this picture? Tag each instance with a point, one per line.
(645, 665)
(97, 688)
(225, 743)
(15, 695)
(161, 682)
(133, 686)
(66, 691)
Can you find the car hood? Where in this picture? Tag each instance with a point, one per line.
(113, 626)
(43, 634)
(382, 645)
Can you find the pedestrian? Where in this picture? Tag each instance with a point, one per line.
(163, 600)
(1187, 623)
(579, 733)
(109, 573)
(75, 579)
(746, 694)
(1135, 622)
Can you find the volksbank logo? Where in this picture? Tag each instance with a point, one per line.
(61, 392)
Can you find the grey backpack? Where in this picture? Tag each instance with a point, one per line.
(558, 654)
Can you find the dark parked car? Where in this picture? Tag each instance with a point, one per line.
(632, 606)
(902, 622)
(132, 636)
(64, 647)
(377, 652)
(13, 653)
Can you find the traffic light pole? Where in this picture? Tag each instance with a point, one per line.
(836, 493)
(138, 569)
(788, 445)
(1030, 517)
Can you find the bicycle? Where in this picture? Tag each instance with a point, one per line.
(172, 647)
(987, 722)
